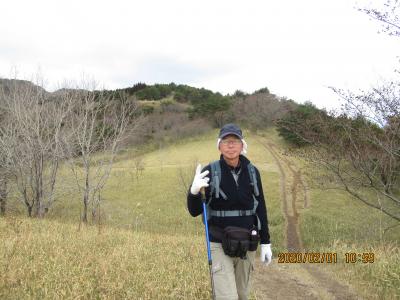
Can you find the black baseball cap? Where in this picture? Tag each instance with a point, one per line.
(230, 129)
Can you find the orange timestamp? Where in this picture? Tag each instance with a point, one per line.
(307, 257)
(325, 257)
(354, 257)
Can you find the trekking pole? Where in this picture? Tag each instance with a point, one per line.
(203, 199)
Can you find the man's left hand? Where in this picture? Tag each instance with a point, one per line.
(266, 253)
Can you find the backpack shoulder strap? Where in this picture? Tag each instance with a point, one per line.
(216, 180)
(215, 177)
(253, 179)
(214, 184)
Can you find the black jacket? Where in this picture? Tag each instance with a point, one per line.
(239, 198)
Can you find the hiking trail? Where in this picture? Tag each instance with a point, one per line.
(298, 280)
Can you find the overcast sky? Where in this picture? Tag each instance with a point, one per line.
(295, 48)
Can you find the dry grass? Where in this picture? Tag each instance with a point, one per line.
(49, 260)
(378, 280)
(149, 247)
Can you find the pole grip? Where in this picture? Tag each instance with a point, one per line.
(203, 194)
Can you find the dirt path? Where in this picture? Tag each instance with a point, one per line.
(294, 281)
(293, 241)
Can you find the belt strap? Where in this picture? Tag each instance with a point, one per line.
(231, 213)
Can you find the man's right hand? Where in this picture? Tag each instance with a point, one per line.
(200, 180)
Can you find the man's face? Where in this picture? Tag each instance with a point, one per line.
(231, 146)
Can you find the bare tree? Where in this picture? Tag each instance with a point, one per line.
(185, 177)
(259, 110)
(98, 125)
(30, 138)
(138, 166)
(221, 117)
(360, 148)
(5, 173)
(3, 197)
(4, 168)
(388, 14)
(4, 182)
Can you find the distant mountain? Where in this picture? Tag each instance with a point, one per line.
(7, 84)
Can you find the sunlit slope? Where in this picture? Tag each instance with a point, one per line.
(154, 200)
(147, 246)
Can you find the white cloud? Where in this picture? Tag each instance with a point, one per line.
(295, 48)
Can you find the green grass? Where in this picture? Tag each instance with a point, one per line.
(156, 200)
(149, 247)
(337, 223)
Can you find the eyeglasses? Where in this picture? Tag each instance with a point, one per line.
(231, 142)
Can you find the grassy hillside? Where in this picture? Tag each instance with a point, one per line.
(149, 247)
(44, 259)
(334, 222)
(337, 223)
(155, 200)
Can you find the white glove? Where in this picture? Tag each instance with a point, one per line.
(199, 181)
(266, 253)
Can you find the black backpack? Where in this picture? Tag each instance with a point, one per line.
(215, 181)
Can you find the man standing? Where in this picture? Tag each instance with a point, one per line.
(237, 214)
